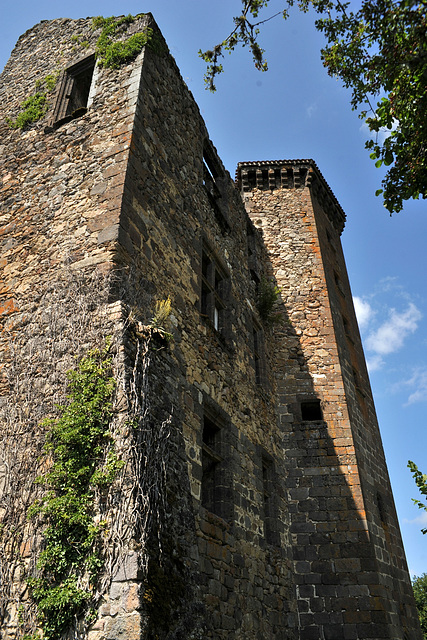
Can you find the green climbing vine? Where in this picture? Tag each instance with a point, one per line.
(111, 52)
(80, 460)
(34, 107)
(267, 296)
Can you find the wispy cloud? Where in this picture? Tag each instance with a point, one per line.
(417, 384)
(374, 363)
(420, 520)
(390, 336)
(311, 109)
(385, 329)
(364, 311)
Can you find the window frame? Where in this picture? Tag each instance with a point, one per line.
(68, 86)
(213, 289)
(269, 484)
(216, 491)
(213, 182)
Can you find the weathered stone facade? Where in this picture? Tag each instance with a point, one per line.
(270, 513)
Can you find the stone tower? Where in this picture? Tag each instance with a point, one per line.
(244, 490)
(345, 535)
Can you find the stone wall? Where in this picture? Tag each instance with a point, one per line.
(241, 511)
(61, 193)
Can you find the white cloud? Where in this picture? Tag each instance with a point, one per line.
(420, 520)
(390, 336)
(419, 382)
(311, 109)
(382, 134)
(364, 311)
(374, 363)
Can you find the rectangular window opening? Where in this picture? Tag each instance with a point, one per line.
(212, 177)
(213, 290)
(311, 411)
(381, 508)
(347, 329)
(73, 93)
(216, 478)
(250, 237)
(269, 499)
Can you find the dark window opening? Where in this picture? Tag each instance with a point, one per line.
(331, 242)
(212, 181)
(216, 491)
(355, 377)
(255, 278)
(252, 178)
(347, 329)
(74, 91)
(212, 302)
(357, 383)
(259, 355)
(381, 508)
(311, 411)
(338, 283)
(250, 236)
(269, 499)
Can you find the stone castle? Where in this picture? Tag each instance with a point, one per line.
(252, 500)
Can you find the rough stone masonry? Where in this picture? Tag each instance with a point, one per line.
(254, 500)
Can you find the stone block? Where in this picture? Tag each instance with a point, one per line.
(128, 569)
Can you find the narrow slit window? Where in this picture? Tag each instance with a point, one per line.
(381, 508)
(338, 283)
(259, 354)
(347, 329)
(269, 500)
(250, 236)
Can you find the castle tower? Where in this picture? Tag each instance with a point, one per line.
(346, 541)
(237, 488)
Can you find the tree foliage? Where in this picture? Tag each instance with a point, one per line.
(378, 51)
(421, 482)
(419, 585)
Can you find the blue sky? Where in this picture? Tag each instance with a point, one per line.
(296, 111)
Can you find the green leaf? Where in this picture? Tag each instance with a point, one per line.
(388, 158)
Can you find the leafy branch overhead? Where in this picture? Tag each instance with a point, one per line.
(380, 53)
(421, 482)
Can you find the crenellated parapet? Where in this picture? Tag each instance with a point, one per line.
(267, 175)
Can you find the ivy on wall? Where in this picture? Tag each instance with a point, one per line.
(80, 460)
(35, 107)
